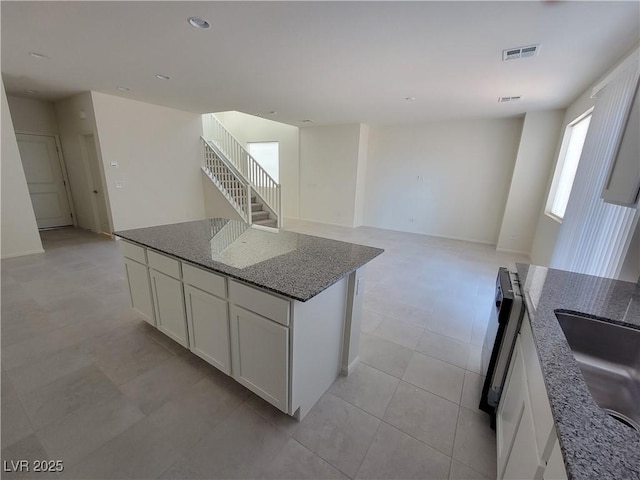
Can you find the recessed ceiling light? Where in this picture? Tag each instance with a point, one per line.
(124, 89)
(163, 77)
(199, 23)
(272, 113)
(410, 99)
(29, 90)
(305, 121)
(41, 56)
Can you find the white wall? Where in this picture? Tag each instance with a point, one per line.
(547, 228)
(159, 158)
(538, 142)
(328, 173)
(72, 126)
(19, 229)
(361, 176)
(33, 116)
(465, 169)
(249, 128)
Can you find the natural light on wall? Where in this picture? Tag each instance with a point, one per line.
(267, 155)
(567, 165)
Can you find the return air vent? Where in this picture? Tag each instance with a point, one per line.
(508, 99)
(520, 52)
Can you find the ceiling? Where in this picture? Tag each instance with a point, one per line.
(329, 62)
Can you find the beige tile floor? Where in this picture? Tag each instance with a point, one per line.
(86, 381)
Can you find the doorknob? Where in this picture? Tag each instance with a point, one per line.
(95, 191)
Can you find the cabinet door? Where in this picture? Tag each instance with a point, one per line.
(510, 407)
(260, 356)
(208, 322)
(169, 305)
(555, 466)
(139, 289)
(523, 458)
(517, 448)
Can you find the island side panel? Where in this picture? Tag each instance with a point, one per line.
(351, 348)
(316, 346)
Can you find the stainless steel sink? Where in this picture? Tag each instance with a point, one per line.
(609, 358)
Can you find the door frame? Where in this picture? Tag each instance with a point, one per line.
(63, 169)
(89, 181)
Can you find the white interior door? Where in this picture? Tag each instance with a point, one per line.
(99, 201)
(43, 171)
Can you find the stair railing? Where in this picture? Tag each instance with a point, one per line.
(232, 185)
(263, 185)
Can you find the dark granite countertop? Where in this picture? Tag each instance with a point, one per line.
(594, 445)
(291, 264)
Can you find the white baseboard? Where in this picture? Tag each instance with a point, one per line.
(351, 366)
(324, 223)
(516, 252)
(434, 235)
(22, 254)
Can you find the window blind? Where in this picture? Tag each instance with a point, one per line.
(594, 236)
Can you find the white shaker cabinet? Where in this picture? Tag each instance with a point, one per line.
(286, 351)
(169, 305)
(514, 425)
(555, 466)
(208, 320)
(622, 186)
(527, 446)
(260, 356)
(139, 289)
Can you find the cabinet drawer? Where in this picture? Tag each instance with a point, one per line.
(204, 280)
(164, 264)
(262, 303)
(134, 252)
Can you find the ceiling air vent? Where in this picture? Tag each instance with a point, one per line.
(508, 99)
(520, 52)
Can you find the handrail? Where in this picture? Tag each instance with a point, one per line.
(263, 185)
(236, 189)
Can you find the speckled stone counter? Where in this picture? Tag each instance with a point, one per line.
(594, 445)
(291, 264)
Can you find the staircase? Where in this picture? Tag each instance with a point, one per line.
(259, 216)
(253, 193)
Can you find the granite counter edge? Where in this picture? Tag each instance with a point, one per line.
(289, 295)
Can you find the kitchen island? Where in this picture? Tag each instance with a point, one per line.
(278, 311)
(592, 444)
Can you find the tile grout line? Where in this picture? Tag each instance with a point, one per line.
(373, 437)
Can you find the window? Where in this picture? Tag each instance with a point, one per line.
(567, 166)
(267, 155)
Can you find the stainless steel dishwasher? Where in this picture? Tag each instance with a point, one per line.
(502, 330)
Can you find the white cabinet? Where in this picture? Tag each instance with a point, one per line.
(260, 356)
(555, 466)
(169, 306)
(517, 451)
(526, 436)
(208, 321)
(139, 290)
(623, 180)
(287, 352)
